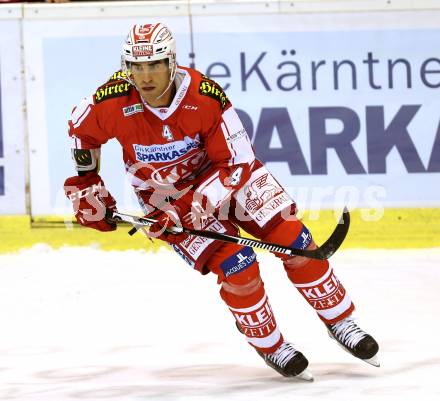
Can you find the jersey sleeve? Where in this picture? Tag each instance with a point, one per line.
(229, 148)
(84, 126)
(87, 135)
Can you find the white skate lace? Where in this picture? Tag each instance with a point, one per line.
(283, 354)
(348, 332)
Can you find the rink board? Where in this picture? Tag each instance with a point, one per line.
(330, 116)
(396, 229)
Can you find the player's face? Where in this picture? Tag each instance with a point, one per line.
(151, 79)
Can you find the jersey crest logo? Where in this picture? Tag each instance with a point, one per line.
(214, 91)
(167, 134)
(180, 170)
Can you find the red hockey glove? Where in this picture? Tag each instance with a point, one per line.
(90, 200)
(184, 211)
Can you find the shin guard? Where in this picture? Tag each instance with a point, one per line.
(256, 322)
(318, 284)
(244, 294)
(314, 279)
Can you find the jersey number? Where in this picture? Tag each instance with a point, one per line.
(167, 134)
(235, 177)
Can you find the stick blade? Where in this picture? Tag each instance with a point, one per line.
(335, 240)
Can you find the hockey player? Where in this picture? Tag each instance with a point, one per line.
(191, 163)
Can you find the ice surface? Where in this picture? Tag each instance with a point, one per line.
(84, 324)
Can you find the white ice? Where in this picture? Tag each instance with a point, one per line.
(84, 324)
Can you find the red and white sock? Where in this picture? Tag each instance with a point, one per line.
(318, 284)
(257, 323)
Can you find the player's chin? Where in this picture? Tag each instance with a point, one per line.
(150, 94)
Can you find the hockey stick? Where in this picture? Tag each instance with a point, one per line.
(323, 252)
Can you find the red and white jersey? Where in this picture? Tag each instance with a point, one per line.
(199, 139)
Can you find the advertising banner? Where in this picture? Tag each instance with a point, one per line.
(342, 107)
(12, 157)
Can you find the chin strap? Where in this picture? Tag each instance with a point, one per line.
(165, 91)
(172, 79)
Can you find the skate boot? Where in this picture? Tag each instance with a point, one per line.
(288, 361)
(354, 340)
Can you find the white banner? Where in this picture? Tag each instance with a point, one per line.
(343, 107)
(12, 155)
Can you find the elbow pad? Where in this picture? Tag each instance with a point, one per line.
(86, 160)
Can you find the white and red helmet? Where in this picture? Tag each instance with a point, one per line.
(149, 42)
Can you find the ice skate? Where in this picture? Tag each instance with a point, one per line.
(354, 340)
(288, 361)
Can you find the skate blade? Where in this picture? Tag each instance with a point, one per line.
(305, 375)
(373, 361)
